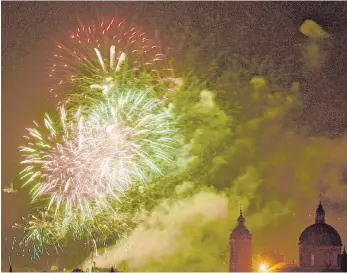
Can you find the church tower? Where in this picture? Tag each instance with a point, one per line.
(240, 248)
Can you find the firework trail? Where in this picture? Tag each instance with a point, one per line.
(86, 163)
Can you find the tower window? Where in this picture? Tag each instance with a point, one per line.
(312, 259)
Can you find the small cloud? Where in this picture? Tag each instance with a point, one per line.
(312, 30)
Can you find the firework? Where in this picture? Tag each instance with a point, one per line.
(95, 52)
(84, 164)
(44, 233)
(39, 234)
(113, 133)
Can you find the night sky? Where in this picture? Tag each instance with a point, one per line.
(30, 30)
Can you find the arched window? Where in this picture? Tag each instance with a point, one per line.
(312, 259)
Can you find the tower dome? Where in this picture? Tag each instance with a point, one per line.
(320, 233)
(241, 230)
(319, 245)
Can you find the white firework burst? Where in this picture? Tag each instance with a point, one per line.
(97, 157)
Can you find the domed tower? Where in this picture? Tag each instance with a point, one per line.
(319, 245)
(240, 248)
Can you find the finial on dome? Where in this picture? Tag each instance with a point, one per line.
(320, 214)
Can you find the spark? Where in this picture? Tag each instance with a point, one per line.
(120, 62)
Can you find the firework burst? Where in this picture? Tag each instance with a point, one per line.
(86, 163)
(93, 53)
(44, 233)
